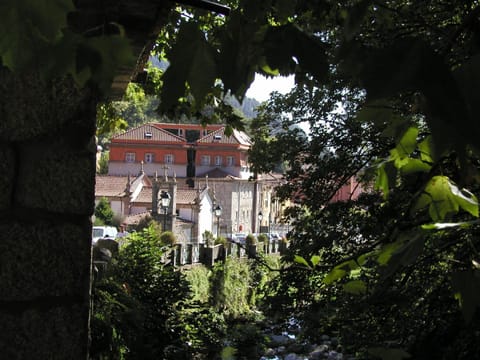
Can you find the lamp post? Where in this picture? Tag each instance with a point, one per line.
(260, 218)
(218, 213)
(165, 200)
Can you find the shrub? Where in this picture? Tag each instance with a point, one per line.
(103, 212)
(208, 238)
(262, 238)
(251, 239)
(168, 238)
(221, 241)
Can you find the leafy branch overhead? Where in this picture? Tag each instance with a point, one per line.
(35, 35)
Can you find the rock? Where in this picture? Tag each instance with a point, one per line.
(333, 355)
(319, 352)
(277, 340)
(293, 356)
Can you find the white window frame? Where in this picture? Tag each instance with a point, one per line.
(169, 159)
(130, 157)
(218, 160)
(149, 158)
(230, 161)
(205, 160)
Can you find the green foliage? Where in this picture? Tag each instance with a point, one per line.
(168, 238)
(262, 238)
(102, 167)
(208, 238)
(230, 288)
(250, 240)
(103, 211)
(198, 278)
(220, 241)
(160, 290)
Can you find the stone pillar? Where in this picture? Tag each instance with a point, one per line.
(47, 161)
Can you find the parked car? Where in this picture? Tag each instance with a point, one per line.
(101, 232)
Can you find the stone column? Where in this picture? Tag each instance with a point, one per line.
(47, 164)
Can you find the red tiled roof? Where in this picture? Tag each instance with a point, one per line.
(110, 186)
(219, 137)
(186, 197)
(148, 132)
(217, 174)
(145, 196)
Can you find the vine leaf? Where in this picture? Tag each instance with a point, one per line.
(192, 61)
(28, 27)
(300, 260)
(355, 287)
(442, 196)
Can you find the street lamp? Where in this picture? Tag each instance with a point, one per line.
(260, 217)
(218, 213)
(165, 200)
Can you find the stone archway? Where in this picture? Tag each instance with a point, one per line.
(47, 153)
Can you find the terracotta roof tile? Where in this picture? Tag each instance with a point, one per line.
(218, 136)
(148, 132)
(186, 197)
(110, 186)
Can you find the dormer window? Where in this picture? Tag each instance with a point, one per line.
(147, 135)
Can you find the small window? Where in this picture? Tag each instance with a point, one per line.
(148, 158)
(205, 132)
(217, 137)
(205, 160)
(218, 160)
(147, 135)
(130, 157)
(180, 132)
(168, 158)
(230, 161)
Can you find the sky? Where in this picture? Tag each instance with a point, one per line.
(262, 86)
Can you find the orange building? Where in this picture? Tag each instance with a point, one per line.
(188, 150)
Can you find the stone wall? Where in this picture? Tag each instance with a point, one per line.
(47, 160)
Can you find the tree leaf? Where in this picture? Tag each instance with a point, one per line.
(386, 176)
(442, 197)
(300, 260)
(315, 259)
(334, 275)
(356, 287)
(28, 27)
(354, 18)
(192, 61)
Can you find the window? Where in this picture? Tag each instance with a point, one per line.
(130, 157)
(147, 135)
(218, 160)
(148, 158)
(205, 160)
(230, 161)
(168, 158)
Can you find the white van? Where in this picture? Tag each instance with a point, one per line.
(100, 232)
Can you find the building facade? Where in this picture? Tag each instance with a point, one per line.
(199, 157)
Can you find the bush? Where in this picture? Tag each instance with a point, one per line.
(221, 241)
(250, 240)
(168, 238)
(103, 212)
(262, 238)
